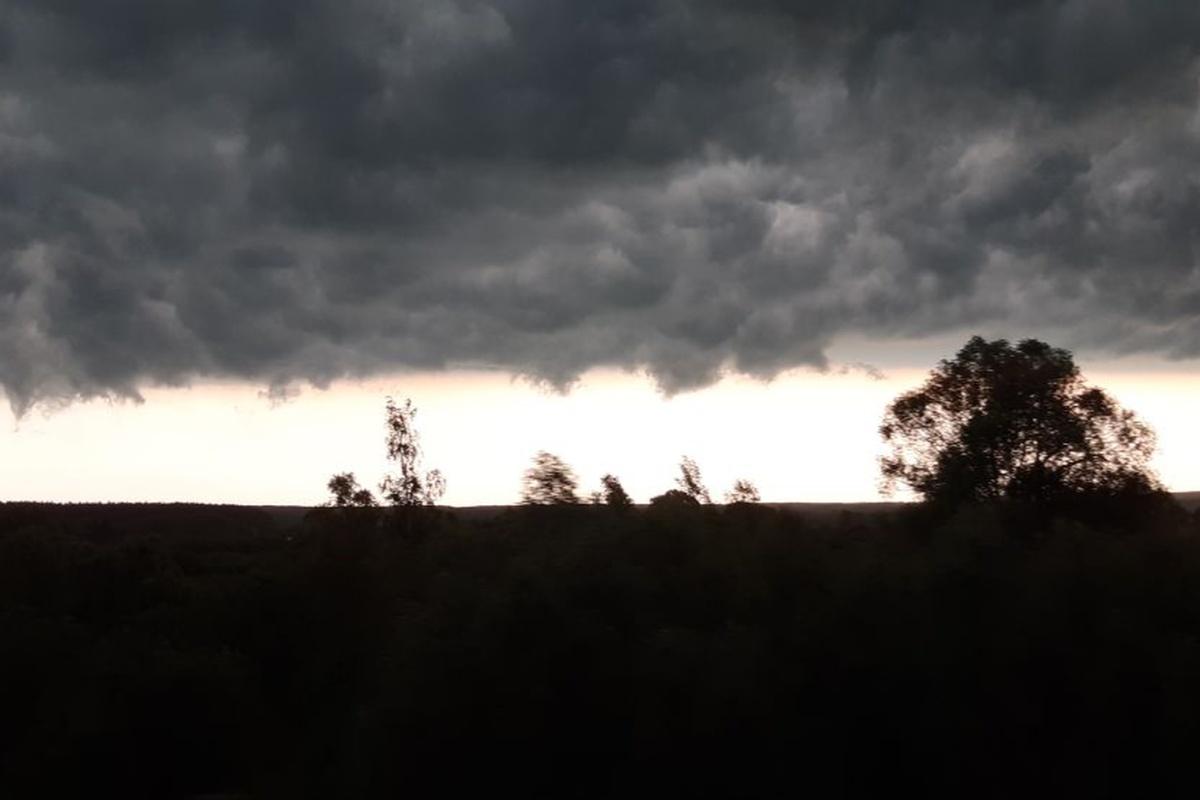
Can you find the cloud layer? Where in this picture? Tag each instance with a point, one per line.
(298, 190)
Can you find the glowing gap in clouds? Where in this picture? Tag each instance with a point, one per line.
(803, 437)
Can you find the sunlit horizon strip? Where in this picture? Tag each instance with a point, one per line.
(804, 437)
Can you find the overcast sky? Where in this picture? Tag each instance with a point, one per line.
(288, 194)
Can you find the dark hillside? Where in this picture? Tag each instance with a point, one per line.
(1189, 500)
(673, 651)
(115, 521)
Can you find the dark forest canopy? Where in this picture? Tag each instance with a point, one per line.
(594, 651)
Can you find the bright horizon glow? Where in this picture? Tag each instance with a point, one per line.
(804, 437)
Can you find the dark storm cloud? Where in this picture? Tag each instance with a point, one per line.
(302, 190)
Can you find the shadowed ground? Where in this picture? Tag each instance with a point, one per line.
(671, 651)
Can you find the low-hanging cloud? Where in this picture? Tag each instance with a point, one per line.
(299, 190)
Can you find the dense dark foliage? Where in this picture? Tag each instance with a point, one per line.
(1016, 422)
(613, 494)
(679, 650)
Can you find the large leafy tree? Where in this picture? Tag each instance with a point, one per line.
(1015, 422)
(346, 493)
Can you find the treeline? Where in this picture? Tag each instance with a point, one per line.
(548, 481)
(998, 422)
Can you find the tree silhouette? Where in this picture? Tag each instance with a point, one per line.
(674, 498)
(549, 482)
(348, 494)
(743, 491)
(614, 493)
(409, 487)
(1015, 422)
(690, 482)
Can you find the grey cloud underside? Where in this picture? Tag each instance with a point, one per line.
(307, 189)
